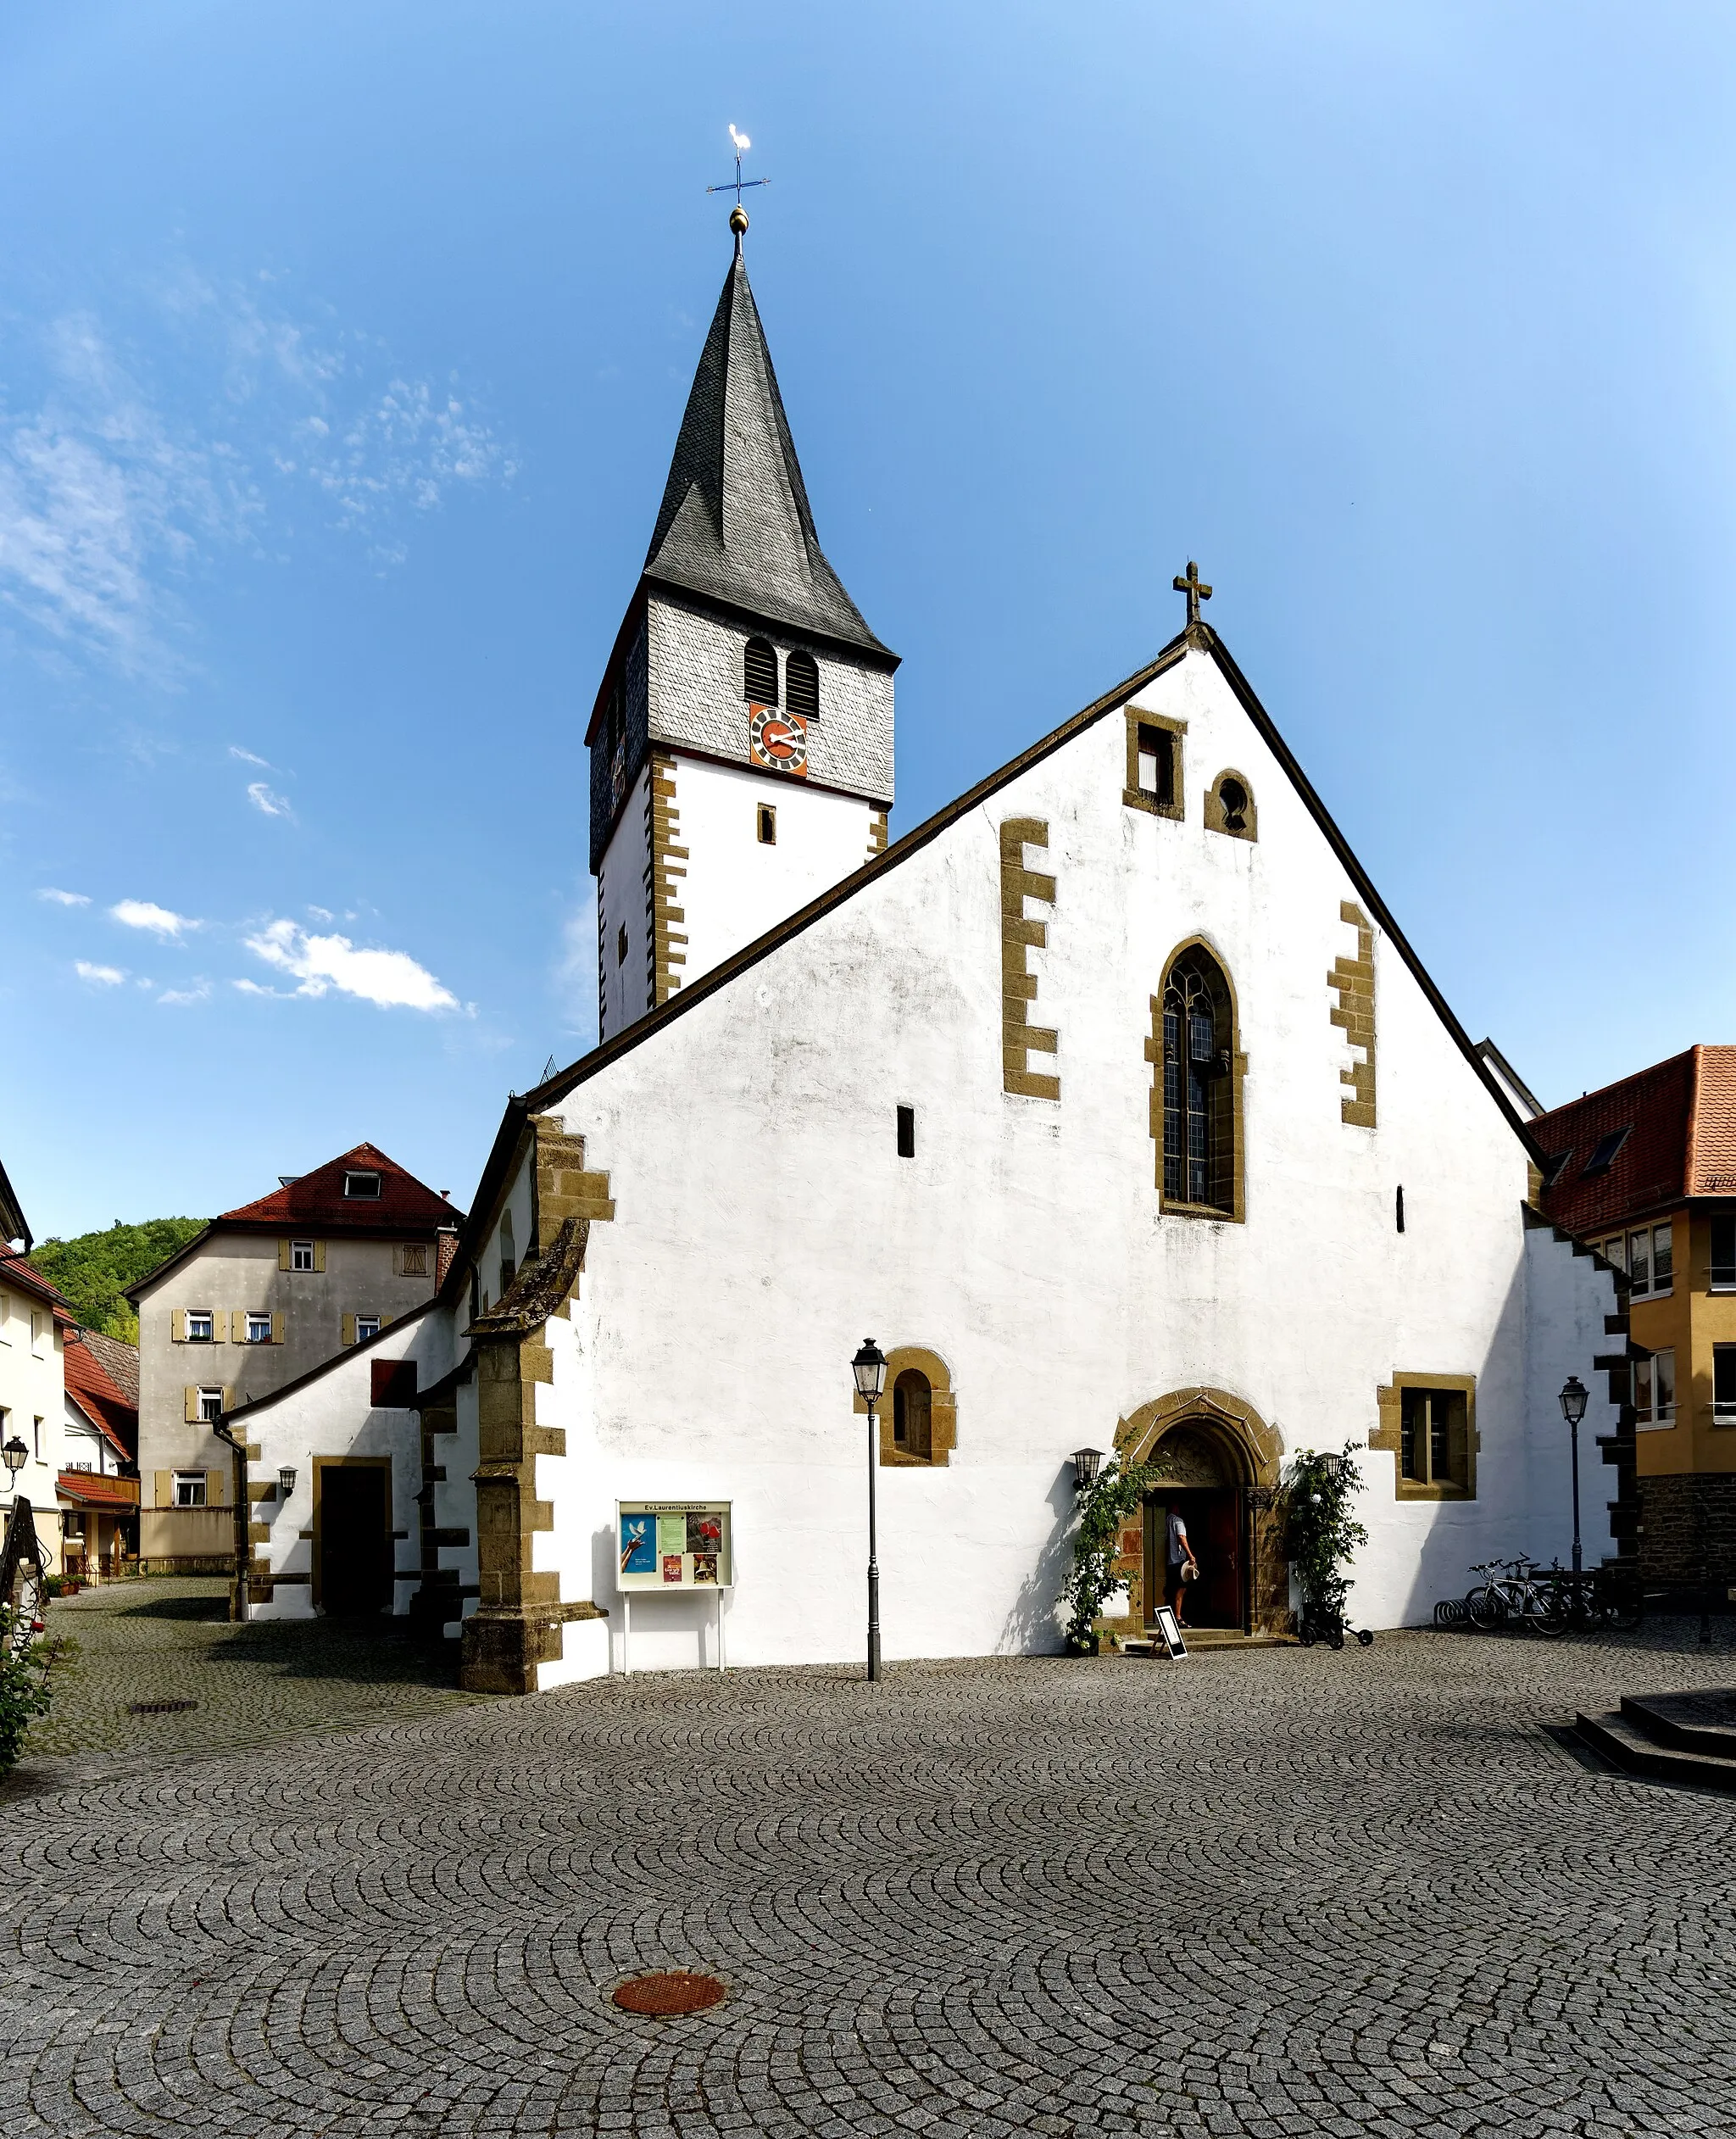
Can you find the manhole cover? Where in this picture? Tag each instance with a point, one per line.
(158, 1708)
(678, 1991)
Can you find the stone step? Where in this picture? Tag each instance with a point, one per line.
(1621, 1741)
(1690, 1722)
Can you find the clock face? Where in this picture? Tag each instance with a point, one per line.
(777, 741)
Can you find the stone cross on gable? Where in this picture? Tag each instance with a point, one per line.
(1196, 591)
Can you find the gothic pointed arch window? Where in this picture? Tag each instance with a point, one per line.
(1200, 1080)
(760, 672)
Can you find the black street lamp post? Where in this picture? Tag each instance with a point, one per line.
(869, 1367)
(1573, 1401)
(16, 1456)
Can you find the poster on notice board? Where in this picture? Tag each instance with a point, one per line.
(674, 1544)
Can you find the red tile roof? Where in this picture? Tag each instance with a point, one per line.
(17, 1272)
(317, 1199)
(91, 1386)
(91, 1489)
(1680, 1116)
(119, 1360)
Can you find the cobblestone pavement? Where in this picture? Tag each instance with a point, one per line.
(1270, 1892)
(170, 1641)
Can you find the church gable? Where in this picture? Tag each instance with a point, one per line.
(1169, 813)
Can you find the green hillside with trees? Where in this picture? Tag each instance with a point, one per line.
(94, 1269)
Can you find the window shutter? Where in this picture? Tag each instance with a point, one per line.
(283, 1255)
(319, 1254)
(219, 1325)
(177, 1325)
(349, 1329)
(238, 1327)
(214, 1489)
(165, 1489)
(191, 1410)
(229, 1400)
(277, 1327)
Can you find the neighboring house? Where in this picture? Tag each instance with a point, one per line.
(261, 1296)
(1111, 1098)
(1644, 1172)
(98, 1485)
(34, 1324)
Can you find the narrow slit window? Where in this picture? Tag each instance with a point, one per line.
(907, 1132)
(801, 686)
(768, 824)
(1398, 1208)
(621, 945)
(760, 672)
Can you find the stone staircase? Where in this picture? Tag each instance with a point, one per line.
(1670, 1737)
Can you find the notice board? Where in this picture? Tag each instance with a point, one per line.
(674, 1544)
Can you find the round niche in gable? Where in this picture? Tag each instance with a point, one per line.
(1229, 807)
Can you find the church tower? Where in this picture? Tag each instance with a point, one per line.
(741, 744)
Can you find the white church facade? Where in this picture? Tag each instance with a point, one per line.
(1110, 1101)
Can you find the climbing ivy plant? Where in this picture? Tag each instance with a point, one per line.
(1105, 1505)
(1319, 1532)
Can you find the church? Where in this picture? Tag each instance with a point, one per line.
(1110, 1101)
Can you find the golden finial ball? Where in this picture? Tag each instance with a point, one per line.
(738, 219)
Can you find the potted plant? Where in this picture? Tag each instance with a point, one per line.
(1321, 1535)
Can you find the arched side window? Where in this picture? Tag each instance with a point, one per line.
(913, 1415)
(760, 672)
(917, 1417)
(801, 683)
(1196, 1102)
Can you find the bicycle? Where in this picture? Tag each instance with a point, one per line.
(1521, 1596)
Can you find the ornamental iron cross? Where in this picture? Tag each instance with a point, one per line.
(1195, 589)
(737, 184)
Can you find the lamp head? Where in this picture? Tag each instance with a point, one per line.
(286, 1481)
(16, 1454)
(1574, 1397)
(869, 1367)
(1087, 1463)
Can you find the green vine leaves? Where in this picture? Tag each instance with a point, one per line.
(1105, 1505)
(1321, 1533)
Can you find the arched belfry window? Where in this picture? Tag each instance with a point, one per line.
(1201, 1074)
(760, 672)
(801, 683)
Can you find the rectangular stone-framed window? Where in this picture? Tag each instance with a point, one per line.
(1655, 1390)
(1429, 1425)
(1155, 763)
(190, 1488)
(1724, 1266)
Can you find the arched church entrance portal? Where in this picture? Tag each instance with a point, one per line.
(1201, 1487)
(1218, 1465)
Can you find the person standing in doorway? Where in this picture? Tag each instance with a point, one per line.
(1183, 1568)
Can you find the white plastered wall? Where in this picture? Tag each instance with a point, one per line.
(622, 902)
(764, 1225)
(333, 1415)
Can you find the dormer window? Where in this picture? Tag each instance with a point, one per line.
(760, 672)
(363, 1187)
(801, 684)
(1604, 1156)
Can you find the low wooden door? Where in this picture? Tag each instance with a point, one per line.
(355, 1552)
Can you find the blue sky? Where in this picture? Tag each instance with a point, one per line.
(342, 351)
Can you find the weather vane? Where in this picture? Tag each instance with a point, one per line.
(738, 185)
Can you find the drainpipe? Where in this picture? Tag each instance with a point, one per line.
(244, 1545)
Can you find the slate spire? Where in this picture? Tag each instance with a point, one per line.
(735, 523)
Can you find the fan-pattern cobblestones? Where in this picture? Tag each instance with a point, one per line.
(1270, 1892)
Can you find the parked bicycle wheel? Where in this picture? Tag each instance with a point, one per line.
(1487, 1608)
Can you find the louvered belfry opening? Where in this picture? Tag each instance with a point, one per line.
(801, 680)
(1199, 1115)
(760, 672)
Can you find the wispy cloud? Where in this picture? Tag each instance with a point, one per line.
(268, 799)
(100, 976)
(247, 757)
(392, 978)
(63, 898)
(197, 993)
(141, 913)
(117, 487)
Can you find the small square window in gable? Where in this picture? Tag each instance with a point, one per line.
(1155, 763)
